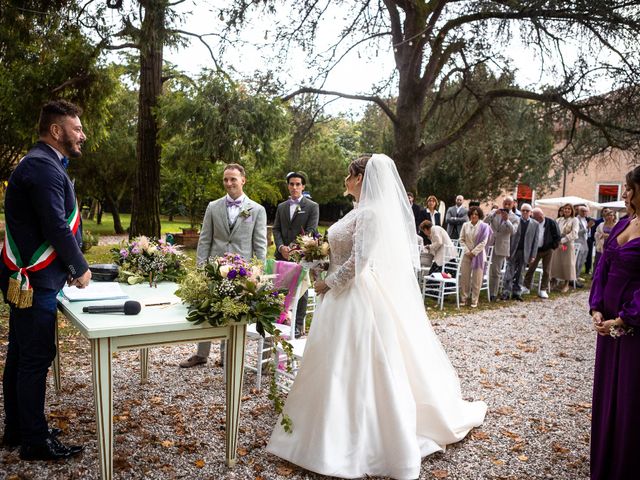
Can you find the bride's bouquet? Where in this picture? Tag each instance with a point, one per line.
(311, 250)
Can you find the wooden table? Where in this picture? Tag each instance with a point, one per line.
(153, 326)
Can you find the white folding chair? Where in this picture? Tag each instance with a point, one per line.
(262, 356)
(438, 286)
(485, 275)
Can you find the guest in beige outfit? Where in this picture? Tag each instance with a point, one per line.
(441, 246)
(473, 238)
(563, 263)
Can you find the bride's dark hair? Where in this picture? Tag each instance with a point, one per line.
(357, 166)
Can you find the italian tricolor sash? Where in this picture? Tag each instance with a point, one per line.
(20, 292)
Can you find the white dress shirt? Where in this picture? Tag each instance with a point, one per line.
(234, 210)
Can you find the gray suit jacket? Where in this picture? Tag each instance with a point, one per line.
(247, 236)
(530, 240)
(286, 229)
(455, 219)
(502, 232)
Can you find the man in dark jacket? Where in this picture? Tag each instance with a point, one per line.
(41, 252)
(295, 216)
(548, 241)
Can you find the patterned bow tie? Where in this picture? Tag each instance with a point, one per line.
(233, 203)
(65, 162)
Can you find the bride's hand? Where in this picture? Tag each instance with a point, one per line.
(321, 287)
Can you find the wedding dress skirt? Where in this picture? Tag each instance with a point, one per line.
(376, 392)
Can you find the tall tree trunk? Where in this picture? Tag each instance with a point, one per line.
(145, 218)
(407, 133)
(115, 213)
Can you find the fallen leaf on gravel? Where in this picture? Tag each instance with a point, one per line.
(245, 398)
(167, 443)
(558, 448)
(199, 463)
(284, 470)
(504, 410)
(479, 435)
(526, 348)
(516, 355)
(512, 435)
(486, 384)
(523, 458)
(440, 473)
(497, 353)
(483, 370)
(497, 461)
(242, 451)
(548, 377)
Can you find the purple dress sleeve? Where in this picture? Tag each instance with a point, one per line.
(630, 313)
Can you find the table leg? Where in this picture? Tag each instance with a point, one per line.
(103, 398)
(144, 365)
(235, 371)
(56, 363)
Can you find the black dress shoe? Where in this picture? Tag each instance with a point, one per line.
(72, 449)
(48, 450)
(493, 298)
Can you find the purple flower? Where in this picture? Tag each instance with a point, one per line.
(124, 253)
(232, 274)
(135, 250)
(242, 272)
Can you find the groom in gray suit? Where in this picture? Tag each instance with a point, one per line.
(295, 216)
(235, 224)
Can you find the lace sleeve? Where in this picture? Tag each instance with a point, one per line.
(357, 260)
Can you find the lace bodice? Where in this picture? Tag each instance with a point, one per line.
(342, 237)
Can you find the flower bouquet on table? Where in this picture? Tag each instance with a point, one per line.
(311, 250)
(144, 259)
(229, 289)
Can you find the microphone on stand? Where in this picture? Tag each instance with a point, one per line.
(130, 307)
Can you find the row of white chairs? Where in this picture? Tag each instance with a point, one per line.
(438, 288)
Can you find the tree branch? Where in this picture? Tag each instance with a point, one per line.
(377, 100)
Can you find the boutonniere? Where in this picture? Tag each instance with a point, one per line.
(245, 212)
(298, 209)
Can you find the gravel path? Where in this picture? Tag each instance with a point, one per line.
(531, 362)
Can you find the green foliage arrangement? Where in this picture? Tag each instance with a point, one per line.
(229, 289)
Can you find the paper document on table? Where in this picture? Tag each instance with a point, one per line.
(94, 291)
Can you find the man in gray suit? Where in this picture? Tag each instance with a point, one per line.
(455, 217)
(295, 216)
(523, 251)
(504, 224)
(235, 224)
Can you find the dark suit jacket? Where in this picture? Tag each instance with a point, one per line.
(551, 239)
(39, 199)
(436, 221)
(419, 215)
(286, 229)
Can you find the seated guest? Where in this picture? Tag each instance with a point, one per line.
(431, 213)
(426, 259)
(602, 232)
(441, 247)
(473, 238)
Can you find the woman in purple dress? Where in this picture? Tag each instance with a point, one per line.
(615, 308)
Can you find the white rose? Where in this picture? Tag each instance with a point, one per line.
(224, 270)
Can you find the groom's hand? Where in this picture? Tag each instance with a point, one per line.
(284, 251)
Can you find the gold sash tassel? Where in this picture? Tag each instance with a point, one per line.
(16, 296)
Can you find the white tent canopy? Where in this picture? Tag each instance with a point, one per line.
(617, 205)
(559, 201)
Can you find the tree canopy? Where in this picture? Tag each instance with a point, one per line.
(581, 45)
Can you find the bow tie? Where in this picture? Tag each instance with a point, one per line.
(294, 202)
(65, 162)
(233, 203)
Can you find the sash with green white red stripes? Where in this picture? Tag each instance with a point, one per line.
(20, 292)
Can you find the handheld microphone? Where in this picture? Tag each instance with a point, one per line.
(130, 307)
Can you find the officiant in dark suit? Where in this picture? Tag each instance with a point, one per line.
(295, 216)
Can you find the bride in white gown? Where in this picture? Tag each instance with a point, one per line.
(376, 392)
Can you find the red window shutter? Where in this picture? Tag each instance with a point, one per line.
(608, 190)
(524, 192)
